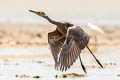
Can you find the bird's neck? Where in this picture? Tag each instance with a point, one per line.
(51, 21)
(60, 28)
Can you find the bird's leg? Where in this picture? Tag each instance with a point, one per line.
(83, 67)
(94, 57)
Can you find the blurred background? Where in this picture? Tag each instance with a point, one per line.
(24, 49)
(79, 11)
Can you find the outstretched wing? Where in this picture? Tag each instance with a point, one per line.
(55, 40)
(76, 40)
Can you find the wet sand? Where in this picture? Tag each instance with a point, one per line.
(25, 54)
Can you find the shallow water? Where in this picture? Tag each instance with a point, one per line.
(42, 67)
(23, 51)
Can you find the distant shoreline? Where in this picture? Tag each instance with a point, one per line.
(72, 20)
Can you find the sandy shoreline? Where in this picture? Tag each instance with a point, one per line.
(28, 35)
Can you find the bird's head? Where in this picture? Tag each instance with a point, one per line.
(40, 13)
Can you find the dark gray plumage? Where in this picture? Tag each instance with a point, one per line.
(76, 40)
(66, 43)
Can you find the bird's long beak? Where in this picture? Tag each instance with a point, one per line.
(33, 11)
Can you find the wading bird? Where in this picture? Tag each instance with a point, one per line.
(66, 43)
(95, 30)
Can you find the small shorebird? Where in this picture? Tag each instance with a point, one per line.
(66, 43)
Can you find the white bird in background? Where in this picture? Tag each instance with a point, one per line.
(95, 29)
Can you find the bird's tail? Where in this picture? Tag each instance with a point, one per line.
(94, 57)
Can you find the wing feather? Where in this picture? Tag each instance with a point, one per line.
(76, 40)
(55, 45)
